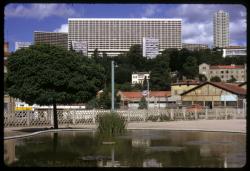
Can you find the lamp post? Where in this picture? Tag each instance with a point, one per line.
(113, 87)
(148, 91)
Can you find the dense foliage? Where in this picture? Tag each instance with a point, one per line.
(183, 61)
(45, 75)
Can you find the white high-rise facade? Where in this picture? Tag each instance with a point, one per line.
(221, 29)
(19, 45)
(150, 47)
(116, 35)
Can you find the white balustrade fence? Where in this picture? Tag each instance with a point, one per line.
(83, 117)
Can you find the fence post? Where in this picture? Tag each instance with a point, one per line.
(145, 115)
(184, 113)
(93, 116)
(226, 113)
(51, 117)
(215, 113)
(28, 118)
(195, 114)
(129, 116)
(206, 113)
(73, 116)
(171, 114)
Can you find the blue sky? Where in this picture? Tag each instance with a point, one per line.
(21, 20)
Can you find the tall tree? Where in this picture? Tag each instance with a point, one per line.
(190, 67)
(48, 75)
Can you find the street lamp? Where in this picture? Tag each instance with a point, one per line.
(113, 86)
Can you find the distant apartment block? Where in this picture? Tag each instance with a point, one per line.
(150, 47)
(51, 38)
(234, 51)
(80, 46)
(138, 77)
(225, 72)
(20, 45)
(192, 46)
(221, 29)
(116, 35)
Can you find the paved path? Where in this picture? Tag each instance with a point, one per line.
(238, 125)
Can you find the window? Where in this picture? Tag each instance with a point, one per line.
(222, 72)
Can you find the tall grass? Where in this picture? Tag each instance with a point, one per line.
(111, 124)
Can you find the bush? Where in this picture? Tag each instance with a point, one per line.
(111, 124)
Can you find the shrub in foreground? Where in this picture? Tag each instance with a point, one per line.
(111, 124)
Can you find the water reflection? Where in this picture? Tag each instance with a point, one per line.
(138, 148)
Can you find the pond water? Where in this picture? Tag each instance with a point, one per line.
(137, 148)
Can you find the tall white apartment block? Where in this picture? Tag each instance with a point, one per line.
(150, 47)
(138, 77)
(80, 46)
(116, 35)
(221, 29)
(19, 45)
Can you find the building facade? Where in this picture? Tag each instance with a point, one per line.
(192, 46)
(116, 35)
(155, 99)
(19, 45)
(150, 47)
(178, 88)
(51, 38)
(234, 51)
(215, 94)
(225, 72)
(138, 77)
(221, 29)
(80, 46)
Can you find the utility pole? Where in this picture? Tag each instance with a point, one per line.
(113, 87)
(148, 91)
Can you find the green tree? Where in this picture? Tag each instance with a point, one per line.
(232, 79)
(190, 67)
(215, 79)
(145, 84)
(160, 73)
(202, 77)
(49, 75)
(143, 103)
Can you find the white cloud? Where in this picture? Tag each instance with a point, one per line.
(197, 32)
(63, 28)
(150, 10)
(39, 11)
(197, 22)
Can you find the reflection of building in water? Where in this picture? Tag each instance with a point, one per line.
(141, 142)
(151, 163)
(9, 151)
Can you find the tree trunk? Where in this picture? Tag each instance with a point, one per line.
(55, 116)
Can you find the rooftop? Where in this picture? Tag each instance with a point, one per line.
(232, 66)
(138, 94)
(127, 19)
(230, 87)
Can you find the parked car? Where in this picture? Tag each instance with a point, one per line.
(194, 107)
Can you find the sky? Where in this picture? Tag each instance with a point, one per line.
(21, 20)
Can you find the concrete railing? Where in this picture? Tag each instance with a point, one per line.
(81, 117)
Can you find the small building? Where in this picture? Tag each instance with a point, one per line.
(20, 45)
(215, 94)
(194, 46)
(178, 88)
(157, 99)
(234, 51)
(138, 77)
(225, 72)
